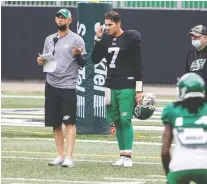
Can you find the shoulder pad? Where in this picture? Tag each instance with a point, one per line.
(166, 113)
(134, 34)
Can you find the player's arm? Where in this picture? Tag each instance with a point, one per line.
(41, 61)
(136, 41)
(98, 52)
(167, 138)
(79, 52)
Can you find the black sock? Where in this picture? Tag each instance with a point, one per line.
(122, 155)
(128, 156)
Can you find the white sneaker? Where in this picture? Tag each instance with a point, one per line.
(127, 162)
(119, 162)
(58, 161)
(68, 162)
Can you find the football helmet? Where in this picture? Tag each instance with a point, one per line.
(147, 108)
(190, 85)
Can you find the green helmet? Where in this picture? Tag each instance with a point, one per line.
(147, 108)
(190, 85)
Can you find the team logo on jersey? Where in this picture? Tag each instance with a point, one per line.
(66, 117)
(197, 64)
(124, 114)
(66, 46)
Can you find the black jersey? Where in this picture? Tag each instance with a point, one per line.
(197, 62)
(123, 55)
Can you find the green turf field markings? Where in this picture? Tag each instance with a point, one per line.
(138, 181)
(42, 97)
(134, 179)
(156, 176)
(87, 141)
(78, 154)
(80, 160)
(40, 133)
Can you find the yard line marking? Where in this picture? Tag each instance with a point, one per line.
(21, 116)
(42, 97)
(87, 141)
(25, 122)
(157, 176)
(79, 160)
(65, 181)
(77, 154)
(133, 179)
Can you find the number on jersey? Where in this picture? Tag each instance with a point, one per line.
(116, 52)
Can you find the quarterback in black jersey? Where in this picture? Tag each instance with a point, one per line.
(124, 85)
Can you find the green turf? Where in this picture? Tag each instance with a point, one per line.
(45, 132)
(29, 158)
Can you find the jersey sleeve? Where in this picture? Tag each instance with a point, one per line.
(45, 49)
(136, 47)
(98, 52)
(167, 114)
(81, 43)
(136, 41)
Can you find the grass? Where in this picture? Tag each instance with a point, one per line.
(28, 158)
(26, 152)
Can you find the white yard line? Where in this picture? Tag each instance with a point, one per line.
(86, 141)
(25, 122)
(78, 160)
(66, 181)
(42, 97)
(134, 179)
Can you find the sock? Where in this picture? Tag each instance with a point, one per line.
(128, 156)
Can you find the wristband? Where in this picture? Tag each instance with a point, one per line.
(139, 86)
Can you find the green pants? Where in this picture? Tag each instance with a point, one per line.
(199, 176)
(120, 111)
(122, 104)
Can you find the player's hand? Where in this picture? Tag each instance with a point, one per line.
(77, 50)
(99, 31)
(138, 97)
(41, 61)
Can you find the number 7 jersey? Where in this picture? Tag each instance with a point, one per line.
(190, 133)
(123, 56)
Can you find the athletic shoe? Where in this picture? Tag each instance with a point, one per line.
(68, 162)
(58, 161)
(119, 162)
(127, 162)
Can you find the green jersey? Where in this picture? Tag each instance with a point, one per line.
(190, 133)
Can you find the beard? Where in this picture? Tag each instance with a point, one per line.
(62, 27)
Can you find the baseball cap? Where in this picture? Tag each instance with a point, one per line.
(198, 30)
(65, 12)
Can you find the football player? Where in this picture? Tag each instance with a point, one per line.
(186, 121)
(124, 84)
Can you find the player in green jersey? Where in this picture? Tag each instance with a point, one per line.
(186, 121)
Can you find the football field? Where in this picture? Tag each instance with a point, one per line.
(27, 147)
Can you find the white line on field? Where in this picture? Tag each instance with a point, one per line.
(133, 179)
(79, 160)
(42, 97)
(87, 141)
(65, 181)
(157, 176)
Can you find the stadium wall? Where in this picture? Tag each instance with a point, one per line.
(164, 35)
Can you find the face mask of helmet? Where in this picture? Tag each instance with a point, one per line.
(197, 43)
(62, 27)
